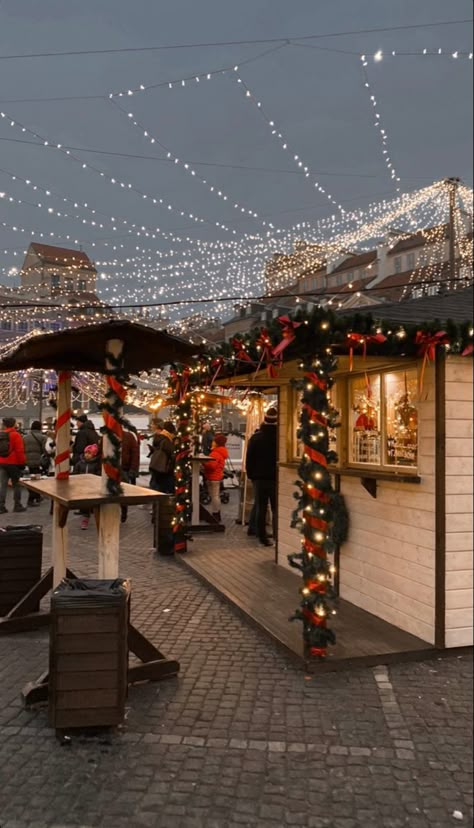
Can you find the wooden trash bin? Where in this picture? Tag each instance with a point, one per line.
(165, 510)
(88, 662)
(21, 550)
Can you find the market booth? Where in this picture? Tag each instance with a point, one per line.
(404, 468)
(115, 349)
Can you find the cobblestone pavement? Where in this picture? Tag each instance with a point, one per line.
(242, 737)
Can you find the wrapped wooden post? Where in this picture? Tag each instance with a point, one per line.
(62, 469)
(112, 409)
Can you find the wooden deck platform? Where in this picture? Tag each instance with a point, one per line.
(245, 574)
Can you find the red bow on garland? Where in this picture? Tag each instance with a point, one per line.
(180, 383)
(216, 367)
(288, 332)
(427, 344)
(362, 339)
(468, 350)
(239, 349)
(264, 344)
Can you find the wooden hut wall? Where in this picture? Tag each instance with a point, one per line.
(387, 566)
(459, 502)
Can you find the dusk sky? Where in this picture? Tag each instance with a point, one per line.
(313, 92)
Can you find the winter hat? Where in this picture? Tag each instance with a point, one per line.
(220, 439)
(92, 450)
(169, 427)
(271, 417)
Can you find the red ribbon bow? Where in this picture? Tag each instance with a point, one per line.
(427, 344)
(181, 382)
(239, 349)
(469, 349)
(363, 340)
(264, 343)
(288, 332)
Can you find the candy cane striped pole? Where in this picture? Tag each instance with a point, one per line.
(63, 426)
(115, 398)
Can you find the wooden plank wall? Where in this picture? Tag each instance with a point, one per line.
(387, 566)
(459, 497)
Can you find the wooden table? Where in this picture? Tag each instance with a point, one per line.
(85, 491)
(201, 520)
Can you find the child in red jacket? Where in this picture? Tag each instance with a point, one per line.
(213, 470)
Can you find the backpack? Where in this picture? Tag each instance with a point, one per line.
(4, 443)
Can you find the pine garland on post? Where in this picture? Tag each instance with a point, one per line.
(111, 409)
(313, 515)
(183, 473)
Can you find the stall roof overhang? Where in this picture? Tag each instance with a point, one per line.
(457, 305)
(83, 349)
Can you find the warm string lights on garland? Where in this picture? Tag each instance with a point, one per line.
(184, 449)
(313, 515)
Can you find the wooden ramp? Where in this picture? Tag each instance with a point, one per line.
(245, 574)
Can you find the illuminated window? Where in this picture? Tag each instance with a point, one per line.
(383, 421)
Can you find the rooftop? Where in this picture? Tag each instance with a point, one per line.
(63, 255)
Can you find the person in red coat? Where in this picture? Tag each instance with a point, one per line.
(12, 463)
(213, 470)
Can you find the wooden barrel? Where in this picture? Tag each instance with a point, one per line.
(21, 549)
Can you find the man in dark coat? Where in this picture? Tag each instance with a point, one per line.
(261, 468)
(86, 436)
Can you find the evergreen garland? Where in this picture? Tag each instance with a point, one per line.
(314, 515)
(114, 421)
(183, 470)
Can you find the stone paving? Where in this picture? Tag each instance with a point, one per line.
(242, 737)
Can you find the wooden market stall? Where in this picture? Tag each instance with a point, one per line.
(115, 349)
(405, 449)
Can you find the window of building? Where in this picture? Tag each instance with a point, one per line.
(68, 284)
(55, 281)
(6, 325)
(383, 422)
(339, 279)
(82, 284)
(411, 260)
(398, 264)
(22, 326)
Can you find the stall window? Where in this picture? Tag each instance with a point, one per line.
(383, 420)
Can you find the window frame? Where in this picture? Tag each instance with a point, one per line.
(341, 399)
(382, 467)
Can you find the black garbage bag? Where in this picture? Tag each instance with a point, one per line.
(85, 592)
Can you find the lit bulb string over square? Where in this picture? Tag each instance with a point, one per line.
(379, 125)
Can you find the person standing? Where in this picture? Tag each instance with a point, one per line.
(162, 461)
(261, 466)
(35, 445)
(89, 463)
(207, 436)
(12, 463)
(130, 462)
(86, 436)
(213, 471)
